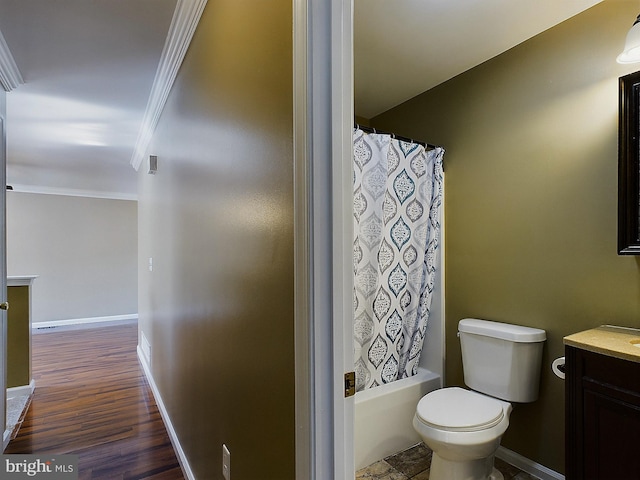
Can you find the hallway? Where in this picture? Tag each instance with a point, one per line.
(92, 400)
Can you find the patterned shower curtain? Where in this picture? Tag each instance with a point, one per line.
(397, 205)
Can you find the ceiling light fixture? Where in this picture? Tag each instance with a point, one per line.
(631, 52)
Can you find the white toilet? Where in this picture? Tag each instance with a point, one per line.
(501, 362)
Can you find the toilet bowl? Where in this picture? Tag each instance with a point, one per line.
(463, 429)
(501, 364)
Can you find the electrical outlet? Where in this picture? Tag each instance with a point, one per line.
(226, 462)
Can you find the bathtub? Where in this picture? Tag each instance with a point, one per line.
(383, 416)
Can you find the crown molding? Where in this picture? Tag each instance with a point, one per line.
(71, 192)
(10, 76)
(183, 25)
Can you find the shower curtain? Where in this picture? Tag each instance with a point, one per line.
(397, 205)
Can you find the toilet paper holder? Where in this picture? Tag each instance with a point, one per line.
(558, 367)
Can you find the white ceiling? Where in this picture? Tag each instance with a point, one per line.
(89, 65)
(405, 47)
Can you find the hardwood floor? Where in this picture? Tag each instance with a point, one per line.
(92, 400)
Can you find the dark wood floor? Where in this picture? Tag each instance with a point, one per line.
(92, 400)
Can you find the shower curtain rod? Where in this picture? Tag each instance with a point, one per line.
(426, 145)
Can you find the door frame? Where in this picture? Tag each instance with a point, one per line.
(323, 151)
(6, 436)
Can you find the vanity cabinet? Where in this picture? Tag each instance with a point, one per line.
(602, 403)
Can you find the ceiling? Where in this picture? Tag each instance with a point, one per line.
(405, 47)
(89, 66)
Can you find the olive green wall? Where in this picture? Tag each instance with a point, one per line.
(217, 219)
(531, 198)
(18, 337)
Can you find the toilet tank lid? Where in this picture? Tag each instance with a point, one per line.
(504, 331)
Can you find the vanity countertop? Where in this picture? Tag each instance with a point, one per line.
(619, 342)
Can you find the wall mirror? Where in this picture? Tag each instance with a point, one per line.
(628, 168)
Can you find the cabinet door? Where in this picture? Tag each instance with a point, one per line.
(602, 417)
(611, 436)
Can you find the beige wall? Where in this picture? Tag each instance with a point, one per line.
(217, 219)
(531, 198)
(83, 249)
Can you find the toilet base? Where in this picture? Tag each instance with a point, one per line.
(496, 475)
(481, 469)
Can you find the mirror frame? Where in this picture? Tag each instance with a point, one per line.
(629, 165)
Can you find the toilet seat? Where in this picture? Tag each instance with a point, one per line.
(458, 410)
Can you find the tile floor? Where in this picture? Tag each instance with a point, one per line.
(16, 410)
(413, 464)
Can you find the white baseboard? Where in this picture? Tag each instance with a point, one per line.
(21, 390)
(526, 465)
(80, 321)
(175, 441)
(6, 438)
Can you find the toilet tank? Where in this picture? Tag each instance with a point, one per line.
(500, 359)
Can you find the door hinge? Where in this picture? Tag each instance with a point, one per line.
(349, 384)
